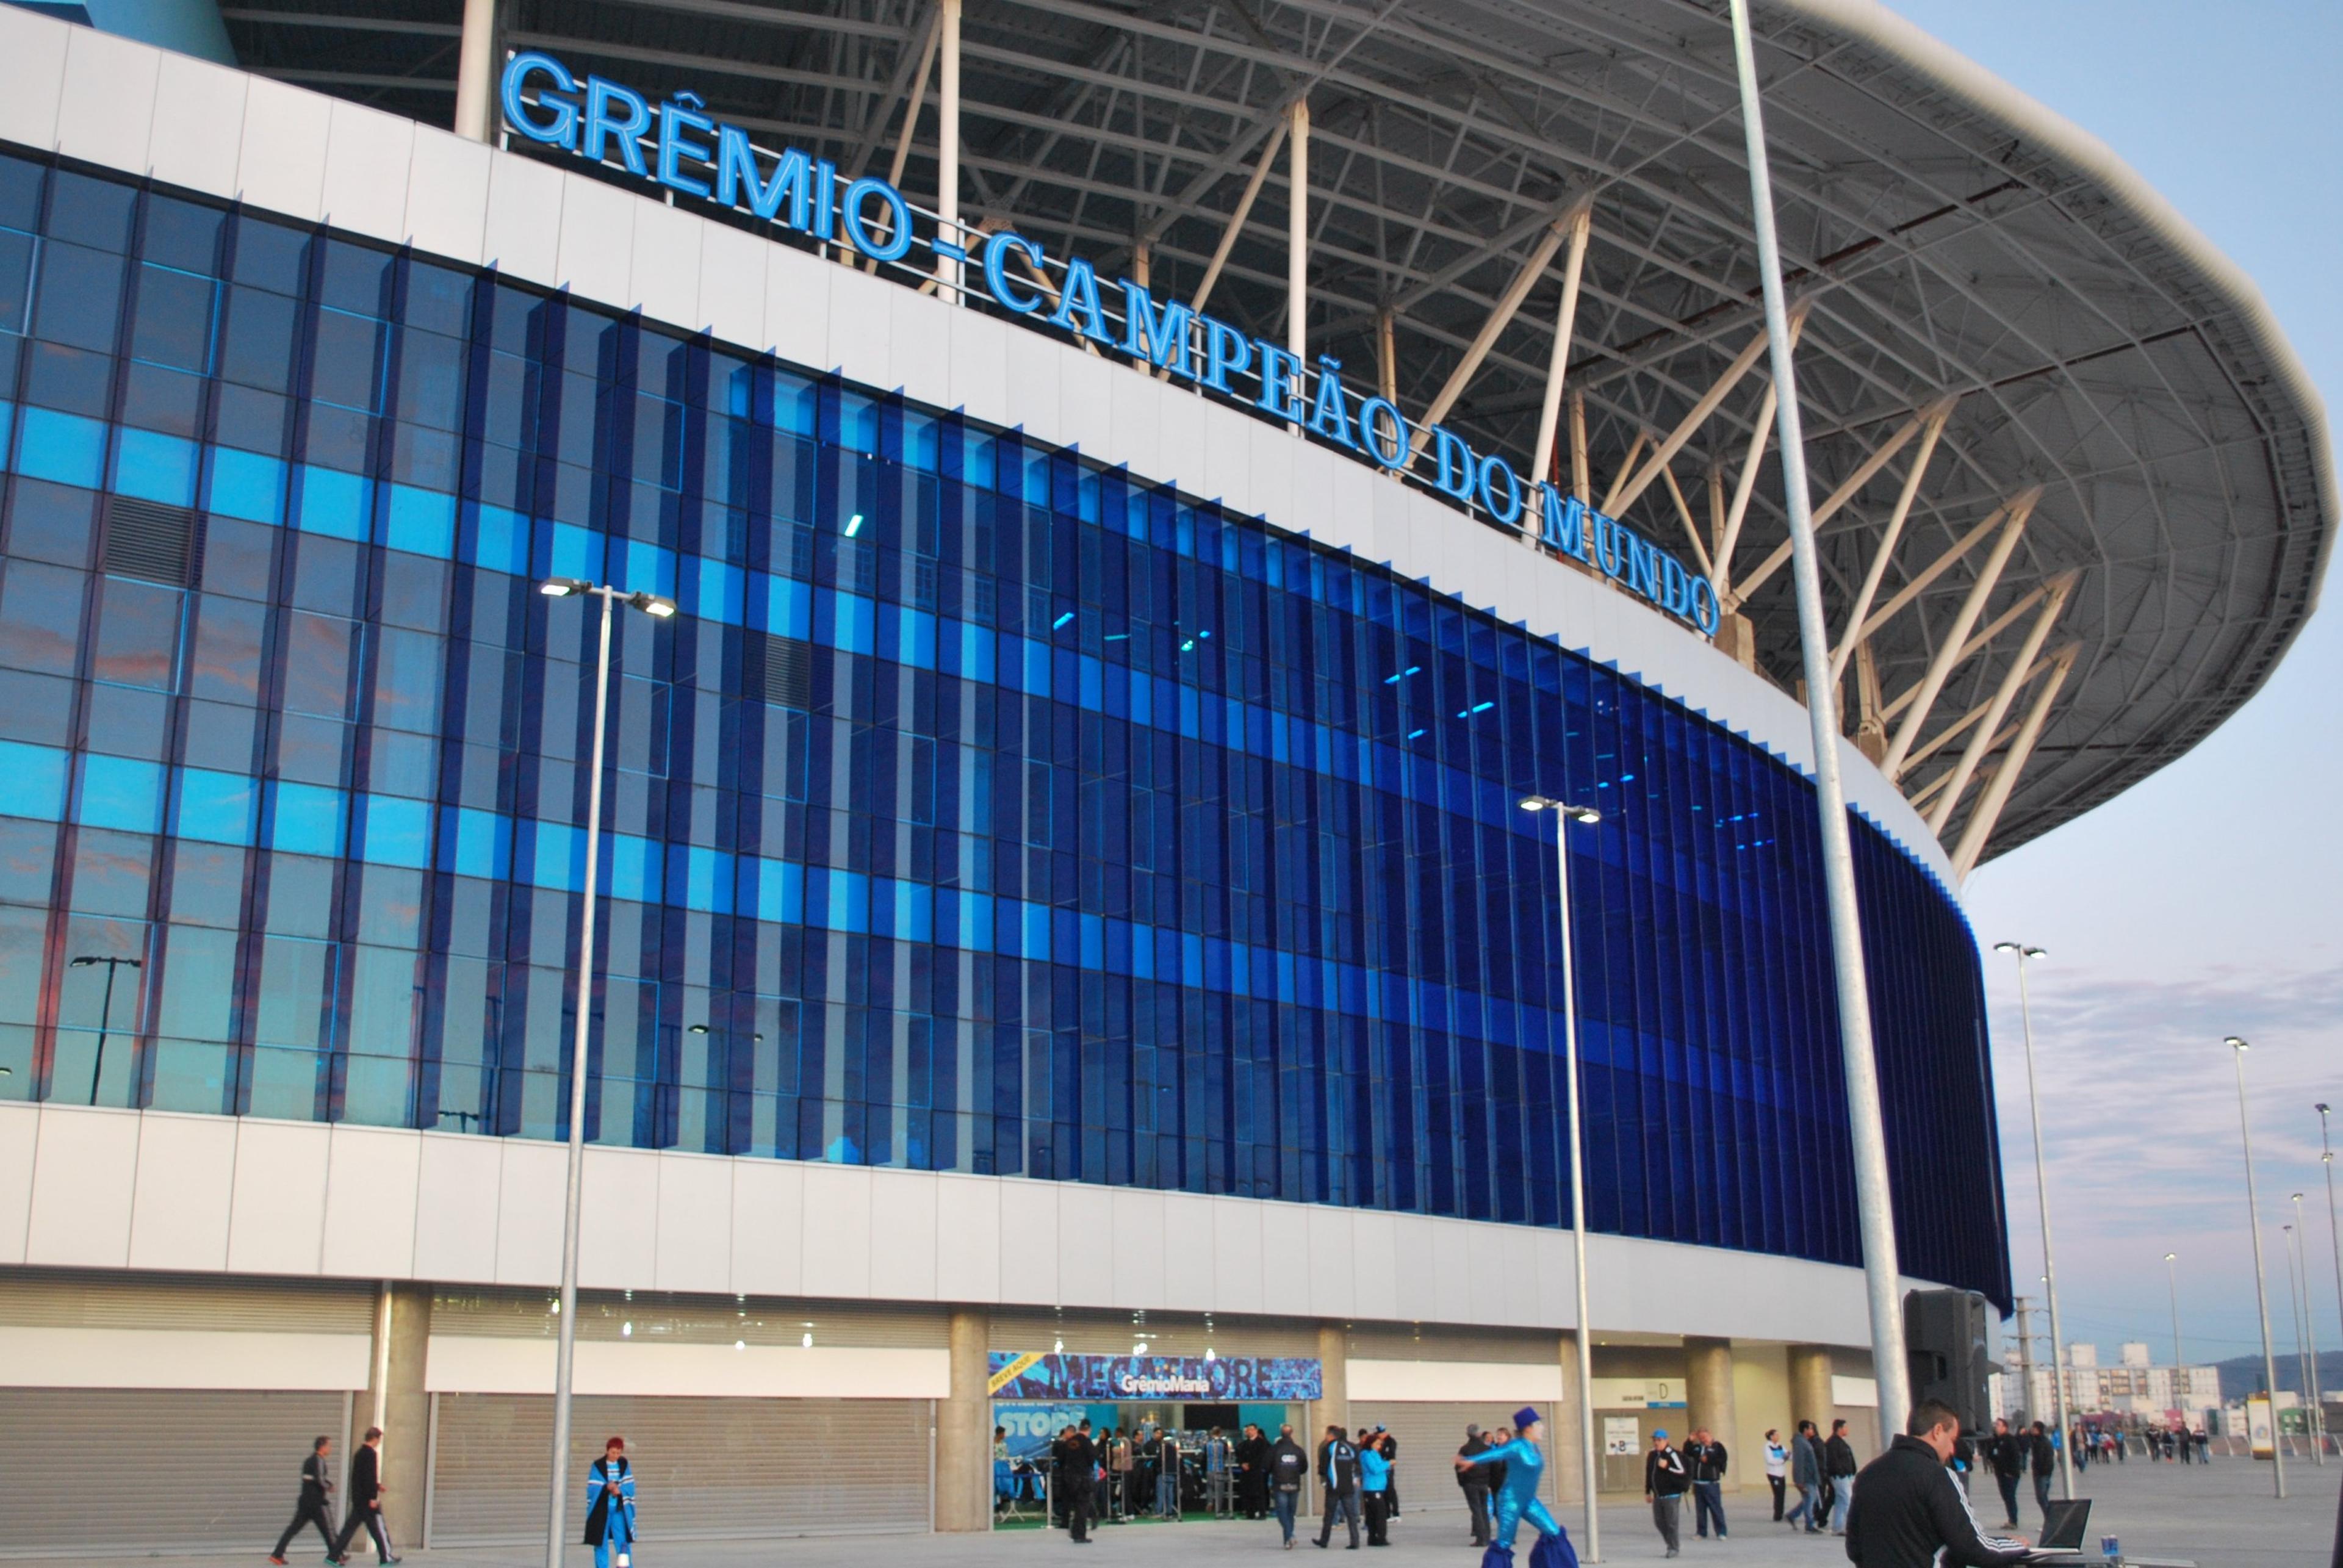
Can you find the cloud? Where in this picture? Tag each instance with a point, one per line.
(2140, 1134)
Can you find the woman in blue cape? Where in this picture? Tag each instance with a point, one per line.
(610, 1507)
(1518, 1500)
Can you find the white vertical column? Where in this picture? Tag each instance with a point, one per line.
(1297, 238)
(948, 267)
(1866, 1127)
(1565, 320)
(476, 71)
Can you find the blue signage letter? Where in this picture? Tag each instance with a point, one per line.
(1077, 304)
(1277, 391)
(735, 166)
(675, 119)
(1227, 352)
(1454, 478)
(899, 235)
(1500, 491)
(1378, 415)
(1162, 339)
(559, 107)
(996, 252)
(601, 124)
(1330, 411)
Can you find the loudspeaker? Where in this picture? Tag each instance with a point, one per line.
(1945, 1348)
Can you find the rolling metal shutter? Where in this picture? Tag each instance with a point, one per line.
(1429, 1436)
(704, 1468)
(123, 1471)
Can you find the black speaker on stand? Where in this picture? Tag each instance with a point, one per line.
(1944, 1349)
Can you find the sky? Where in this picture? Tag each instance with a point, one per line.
(2208, 900)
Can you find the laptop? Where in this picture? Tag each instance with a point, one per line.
(2062, 1525)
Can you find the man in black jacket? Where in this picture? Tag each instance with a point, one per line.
(2043, 1455)
(1475, 1483)
(2007, 1457)
(1838, 1464)
(1704, 1466)
(316, 1490)
(1252, 1473)
(366, 1500)
(1909, 1513)
(1077, 1466)
(1664, 1488)
(1338, 1478)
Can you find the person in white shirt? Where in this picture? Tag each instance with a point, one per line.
(1777, 1467)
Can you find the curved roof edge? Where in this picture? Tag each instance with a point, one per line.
(1981, 90)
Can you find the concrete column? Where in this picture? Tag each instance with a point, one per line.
(477, 72)
(1810, 1387)
(964, 1431)
(1333, 1406)
(1564, 1431)
(395, 1401)
(1708, 1396)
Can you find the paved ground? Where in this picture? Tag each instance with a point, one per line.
(2217, 1516)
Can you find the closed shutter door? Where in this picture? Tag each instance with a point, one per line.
(1428, 1435)
(101, 1471)
(704, 1468)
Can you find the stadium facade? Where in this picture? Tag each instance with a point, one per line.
(1068, 933)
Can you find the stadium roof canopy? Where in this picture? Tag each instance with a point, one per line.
(1960, 247)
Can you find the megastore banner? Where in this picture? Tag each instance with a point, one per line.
(677, 145)
(1206, 1379)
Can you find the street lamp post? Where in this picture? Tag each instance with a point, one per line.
(2306, 1338)
(105, 1008)
(565, 1332)
(1565, 815)
(2238, 1048)
(2172, 1282)
(2334, 1237)
(2049, 1257)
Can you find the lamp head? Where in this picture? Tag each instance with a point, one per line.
(1535, 802)
(2320, 1108)
(2169, 1256)
(562, 588)
(83, 962)
(652, 605)
(1586, 814)
(2234, 1043)
(2297, 1197)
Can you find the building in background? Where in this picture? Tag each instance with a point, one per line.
(1069, 937)
(2137, 1391)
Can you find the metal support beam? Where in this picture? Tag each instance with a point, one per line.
(1236, 222)
(1297, 243)
(1977, 639)
(1743, 487)
(1624, 496)
(1500, 315)
(1691, 529)
(1920, 798)
(1581, 482)
(2005, 778)
(1999, 707)
(1387, 355)
(1949, 652)
(1626, 471)
(1853, 485)
(1565, 322)
(1866, 1127)
(948, 268)
(911, 101)
(476, 71)
(1886, 551)
(1931, 572)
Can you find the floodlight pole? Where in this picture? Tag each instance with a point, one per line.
(2261, 1285)
(1881, 1277)
(565, 1331)
(1564, 816)
(2058, 1403)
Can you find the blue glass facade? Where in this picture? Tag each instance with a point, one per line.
(982, 810)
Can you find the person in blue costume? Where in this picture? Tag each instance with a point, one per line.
(610, 1507)
(1518, 1500)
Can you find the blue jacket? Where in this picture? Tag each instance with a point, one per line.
(1374, 1469)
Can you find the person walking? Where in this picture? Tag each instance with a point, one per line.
(1704, 1465)
(317, 1497)
(1839, 1468)
(1806, 1475)
(1664, 1488)
(1391, 1451)
(2007, 1458)
(366, 1501)
(1777, 1467)
(1217, 1475)
(1474, 1480)
(1252, 1473)
(1909, 1513)
(610, 1507)
(1077, 1470)
(1119, 1465)
(2042, 1456)
(1167, 1476)
(1288, 1468)
(1374, 1487)
(1338, 1476)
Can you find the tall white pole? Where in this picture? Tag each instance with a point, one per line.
(2306, 1338)
(1297, 244)
(949, 269)
(565, 1332)
(1881, 1277)
(2042, 1187)
(2334, 1234)
(2261, 1287)
(1562, 818)
(2172, 1283)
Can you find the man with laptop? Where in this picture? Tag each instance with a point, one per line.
(1909, 1511)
